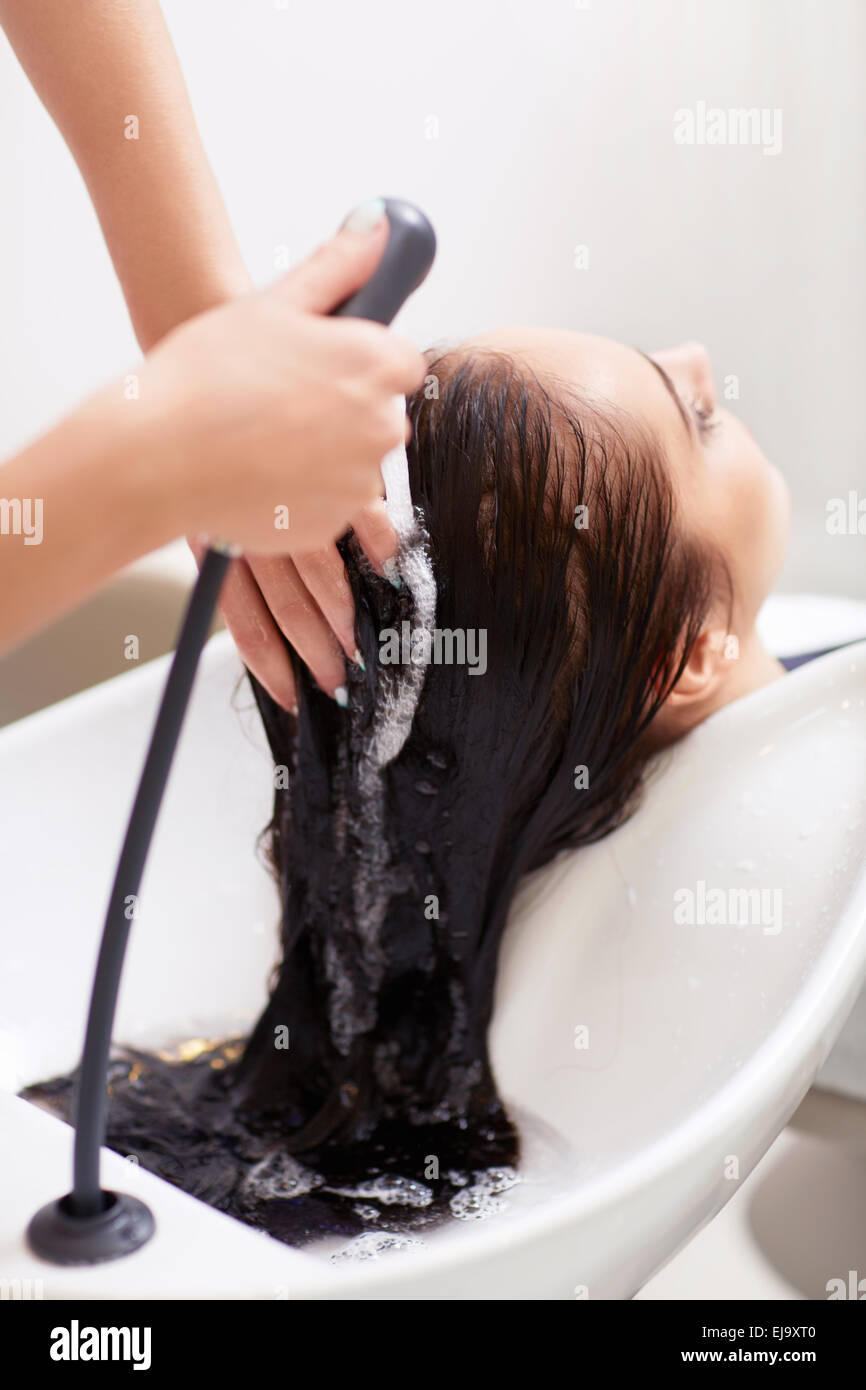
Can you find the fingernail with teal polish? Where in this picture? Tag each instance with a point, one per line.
(359, 660)
(365, 218)
(341, 695)
(392, 573)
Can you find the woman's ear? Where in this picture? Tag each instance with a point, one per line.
(705, 668)
(701, 685)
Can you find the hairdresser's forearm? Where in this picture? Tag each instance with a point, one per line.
(107, 71)
(76, 506)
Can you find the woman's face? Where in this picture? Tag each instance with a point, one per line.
(727, 490)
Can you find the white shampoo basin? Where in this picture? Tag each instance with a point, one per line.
(651, 1051)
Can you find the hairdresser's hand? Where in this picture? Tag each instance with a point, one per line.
(308, 599)
(272, 419)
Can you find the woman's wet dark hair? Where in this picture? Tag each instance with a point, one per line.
(551, 526)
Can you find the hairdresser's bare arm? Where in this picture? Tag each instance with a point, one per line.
(106, 70)
(77, 508)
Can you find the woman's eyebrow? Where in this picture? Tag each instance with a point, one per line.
(672, 390)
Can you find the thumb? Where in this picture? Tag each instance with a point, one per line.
(342, 265)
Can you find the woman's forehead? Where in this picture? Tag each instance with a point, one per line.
(599, 368)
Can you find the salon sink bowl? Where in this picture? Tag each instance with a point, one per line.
(665, 998)
(145, 601)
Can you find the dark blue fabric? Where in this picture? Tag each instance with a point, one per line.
(791, 663)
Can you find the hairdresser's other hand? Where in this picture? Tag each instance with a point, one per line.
(274, 419)
(307, 598)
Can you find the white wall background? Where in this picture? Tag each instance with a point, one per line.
(555, 130)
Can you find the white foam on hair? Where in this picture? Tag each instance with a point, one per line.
(397, 698)
(395, 475)
(398, 708)
(479, 1201)
(278, 1176)
(389, 1189)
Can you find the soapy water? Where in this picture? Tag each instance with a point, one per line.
(548, 1167)
(390, 1190)
(190, 1135)
(476, 1201)
(371, 1245)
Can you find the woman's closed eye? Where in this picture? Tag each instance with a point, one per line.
(705, 416)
